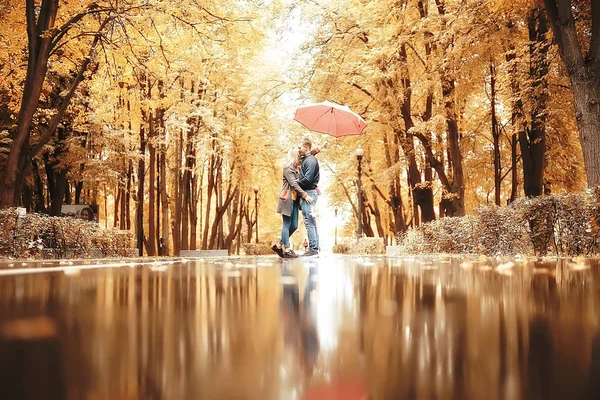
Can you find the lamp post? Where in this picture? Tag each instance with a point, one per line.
(359, 155)
(256, 209)
(335, 210)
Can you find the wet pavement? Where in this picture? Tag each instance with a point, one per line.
(328, 328)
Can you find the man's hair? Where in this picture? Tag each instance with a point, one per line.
(306, 143)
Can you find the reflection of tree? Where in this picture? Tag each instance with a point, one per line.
(442, 333)
(197, 331)
(183, 333)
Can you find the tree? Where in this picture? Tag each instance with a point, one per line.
(44, 39)
(532, 139)
(584, 72)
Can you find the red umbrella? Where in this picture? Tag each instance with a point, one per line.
(333, 119)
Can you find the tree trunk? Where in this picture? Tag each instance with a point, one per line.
(239, 237)
(117, 203)
(185, 211)
(39, 188)
(162, 178)
(123, 208)
(105, 192)
(37, 65)
(366, 217)
(209, 191)
(517, 115)
(533, 139)
(78, 190)
(42, 38)
(218, 221)
(57, 178)
(218, 243)
(375, 212)
(233, 220)
(79, 183)
(159, 241)
(127, 197)
(514, 181)
(58, 194)
(177, 199)
(152, 203)
(200, 199)
(194, 190)
(587, 98)
(187, 188)
(164, 203)
(50, 181)
(140, 189)
(67, 192)
(27, 197)
(584, 72)
(397, 223)
(238, 231)
(216, 240)
(495, 137)
(422, 191)
(250, 220)
(453, 195)
(453, 200)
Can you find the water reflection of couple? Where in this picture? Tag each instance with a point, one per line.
(300, 332)
(299, 191)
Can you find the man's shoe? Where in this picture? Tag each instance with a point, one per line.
(277, 250)
(289, 254)
(311, 253)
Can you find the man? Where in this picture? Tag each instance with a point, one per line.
(308, 181)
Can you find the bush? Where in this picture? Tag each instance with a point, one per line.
(501, 231)
(40, 236)
(445, 235)
(565, 225)
(368, 245)
(365, 245)
(576, 224)
(254, 249)
(341, 248)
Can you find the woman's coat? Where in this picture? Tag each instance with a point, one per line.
(290, 181)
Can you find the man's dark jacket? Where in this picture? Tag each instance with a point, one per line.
(309, 173)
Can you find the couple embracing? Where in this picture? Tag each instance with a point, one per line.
(299, 191)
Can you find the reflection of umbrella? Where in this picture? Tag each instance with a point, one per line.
(348, 390)
(330, 118)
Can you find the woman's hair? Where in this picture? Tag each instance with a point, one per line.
(293, 157)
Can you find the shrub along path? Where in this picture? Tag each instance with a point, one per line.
(559, 225)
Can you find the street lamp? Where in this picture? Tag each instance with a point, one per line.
(359, 155)
(335, 210)
(256, 209)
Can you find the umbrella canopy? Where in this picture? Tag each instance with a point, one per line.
(333, 119)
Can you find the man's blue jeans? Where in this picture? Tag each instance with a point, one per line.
(290, 224)
(309, 214)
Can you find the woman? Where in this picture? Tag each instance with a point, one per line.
(87, 214)
(288, 203)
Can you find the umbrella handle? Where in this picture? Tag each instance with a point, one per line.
(319, 149)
